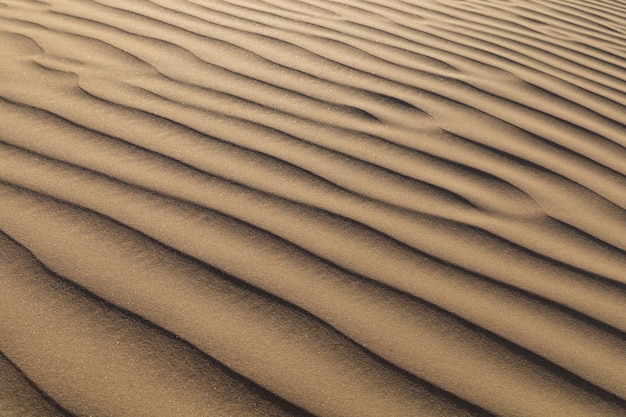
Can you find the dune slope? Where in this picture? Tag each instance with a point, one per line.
(312, 208)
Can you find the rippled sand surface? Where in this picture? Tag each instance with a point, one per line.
(350, 208)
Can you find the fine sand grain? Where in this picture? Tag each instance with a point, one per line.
(342, 208)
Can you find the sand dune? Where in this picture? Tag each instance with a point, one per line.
(312, 207)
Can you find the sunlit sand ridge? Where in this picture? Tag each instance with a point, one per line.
(312, 208)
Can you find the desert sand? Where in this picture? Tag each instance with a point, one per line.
(334, 208)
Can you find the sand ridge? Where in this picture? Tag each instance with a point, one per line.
(313, 207)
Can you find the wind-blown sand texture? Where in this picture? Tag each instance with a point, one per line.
(344, 208)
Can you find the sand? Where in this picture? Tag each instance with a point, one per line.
(347, 208)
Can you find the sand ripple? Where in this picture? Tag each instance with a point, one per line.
(312, 207)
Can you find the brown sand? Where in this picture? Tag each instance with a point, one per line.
(340, 208)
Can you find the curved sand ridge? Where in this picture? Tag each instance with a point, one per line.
(312, 207)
